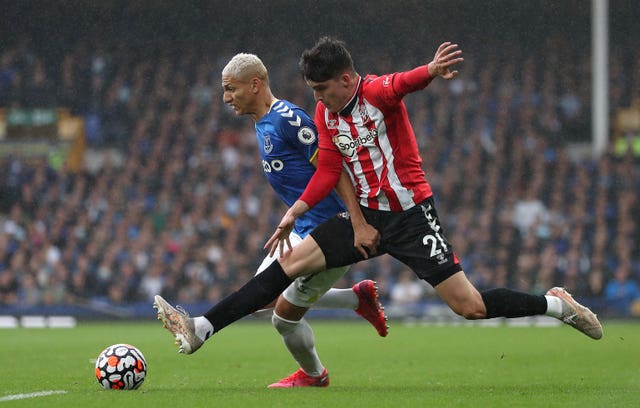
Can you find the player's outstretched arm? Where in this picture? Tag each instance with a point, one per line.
(280, 237)
(445, 58)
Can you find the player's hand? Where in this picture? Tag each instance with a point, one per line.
(280, 237)
(366, 237)
(446, 56)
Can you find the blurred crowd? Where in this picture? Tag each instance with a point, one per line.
(173, 201)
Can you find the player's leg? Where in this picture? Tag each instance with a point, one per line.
(190, 333)
(296, 333)
(266, 286)
(335, 239)
(295, 240)
(263, 289)
(298, 337)
(361, 298)
(463, 298)
(440, 267)
(316, 290)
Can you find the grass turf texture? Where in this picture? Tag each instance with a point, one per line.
(440, 366)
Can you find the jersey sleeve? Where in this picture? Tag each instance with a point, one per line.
(411, 81)
(329, 168)
(391, 88)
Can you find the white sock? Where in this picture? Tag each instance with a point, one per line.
(337, 299)
(299, 339)
(204, 329)
(554, 306)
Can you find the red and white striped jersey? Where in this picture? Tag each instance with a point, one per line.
(375, 138)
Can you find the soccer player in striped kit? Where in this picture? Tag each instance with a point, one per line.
(363, 124)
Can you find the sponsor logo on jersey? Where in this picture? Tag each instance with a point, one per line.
(386, 81)
(332, 124)
(273, 165)
(348, 146)
(306, 135)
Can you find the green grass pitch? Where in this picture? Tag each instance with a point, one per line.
(415, 366)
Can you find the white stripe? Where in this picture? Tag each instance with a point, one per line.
(343, 128)
(405, 197)
(30, 395)
(375, 155)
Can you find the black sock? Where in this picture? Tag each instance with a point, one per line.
(255, 294)
(510, 303)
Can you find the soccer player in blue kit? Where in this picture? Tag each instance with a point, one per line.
(288, 144)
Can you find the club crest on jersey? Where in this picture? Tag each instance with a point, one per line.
(306, 135)
(267, 146)
(362, 110)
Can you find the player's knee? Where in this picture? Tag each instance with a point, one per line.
(471, 309)
(283, 326)
(306, 260)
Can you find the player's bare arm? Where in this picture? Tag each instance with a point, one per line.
(366, 237)
(446, 57)
(280, 237)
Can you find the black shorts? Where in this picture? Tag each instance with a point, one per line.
(413, 237)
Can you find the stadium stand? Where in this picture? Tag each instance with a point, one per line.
(171, 198)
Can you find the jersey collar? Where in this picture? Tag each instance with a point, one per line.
(346, 111)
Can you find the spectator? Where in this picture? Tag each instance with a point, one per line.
(622, 291)
(408, 290)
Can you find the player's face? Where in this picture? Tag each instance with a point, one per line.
(333, 93)
(238, 95)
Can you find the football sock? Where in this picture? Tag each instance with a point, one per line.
(255, 294)
(204, 329)
(504, 302)
(299, 339)
(554, 306)
(337, 299)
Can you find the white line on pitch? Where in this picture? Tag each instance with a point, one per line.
(30, 395)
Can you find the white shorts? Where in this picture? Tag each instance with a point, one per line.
(306, 290)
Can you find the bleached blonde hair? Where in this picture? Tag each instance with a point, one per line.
(244, 66)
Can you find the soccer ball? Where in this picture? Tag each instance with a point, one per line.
(121, 367)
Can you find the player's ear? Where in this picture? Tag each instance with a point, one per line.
(346, 79)
(255, 84)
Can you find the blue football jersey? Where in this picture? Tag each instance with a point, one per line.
(287, 140)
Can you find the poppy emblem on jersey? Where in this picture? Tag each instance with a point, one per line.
(268, 146)
(306, 135)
